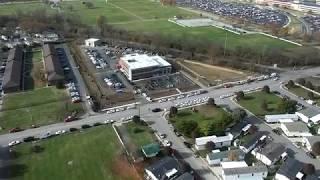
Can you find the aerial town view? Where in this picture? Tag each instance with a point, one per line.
(159, 89)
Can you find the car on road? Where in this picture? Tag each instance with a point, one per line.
(85, 126)
(311, 155)
(156, 110)
(167, 143)
(162, 136)
(277, 131)
(60, 132)
(13, 143)
(29, 139)
(17, 129)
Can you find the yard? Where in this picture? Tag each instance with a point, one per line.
(209, 120)
(91, 154)
(34, 76)
(37, 107)
(152, 17)
(253, 102)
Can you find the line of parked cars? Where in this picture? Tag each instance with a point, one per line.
(192, 102)
(114, 82)
(180, 96)
(96, 58)
(74, 92)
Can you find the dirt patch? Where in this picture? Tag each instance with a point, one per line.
(124, 169)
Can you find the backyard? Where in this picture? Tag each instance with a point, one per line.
(205, 119)
(253, 102)
(72, 157)
(38, 107)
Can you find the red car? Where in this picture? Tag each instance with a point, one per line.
(15, 130)
(70, 118)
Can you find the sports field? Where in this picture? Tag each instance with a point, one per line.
(92, 154)
(151, 17)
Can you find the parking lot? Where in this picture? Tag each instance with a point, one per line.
(238, 10)
(314, 22)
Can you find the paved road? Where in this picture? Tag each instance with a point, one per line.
(160, 124)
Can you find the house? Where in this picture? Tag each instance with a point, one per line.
(281, 118)
(308, 141)
(52, 66)
(166, 168)
(295, 129)
(239, 170)
(150, 150)
(219, 141)
(240, 128)
(270, 153)
(216, 157)
(252, 141)
(309, 115)
(292, 169)
(13, 71)
(92, 42)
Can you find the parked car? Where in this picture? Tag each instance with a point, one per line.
(17, 129)
(29, 139)
(188, 145)
(73, 129)
(277, 131)
(156, 110)
(85, 126)
(97, 124)
(13, 143)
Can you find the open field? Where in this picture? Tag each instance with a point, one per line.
(207, 116)
(214, 74)
(39, 107)
(253, 102)
(151, 17)
(72, 157)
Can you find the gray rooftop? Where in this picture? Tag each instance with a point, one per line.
(161, 167)
(254, 139)
(290, 168)
(237, 129)
(309, 112)
(297, 127)
(313, 139)
(246, 170)
(225, 154)
(272, 150)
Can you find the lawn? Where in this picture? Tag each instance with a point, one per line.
(253, 102)
(299, 91)
(141, 138)
(91, 154)
(40, 106)
(205, 117)
(34, 76)
(151, 17)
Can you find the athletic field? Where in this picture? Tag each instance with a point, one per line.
(151, 17)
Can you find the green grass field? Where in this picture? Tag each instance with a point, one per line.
(205, 116)
(151, 17)
(303, 93)
(40, 107)
(141, 138)
(91, 154)
(253, 102)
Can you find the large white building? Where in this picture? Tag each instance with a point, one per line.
(141, 66)
(281, 118)
(219, 141)
(239, 170)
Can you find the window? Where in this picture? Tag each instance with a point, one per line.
(252, 174)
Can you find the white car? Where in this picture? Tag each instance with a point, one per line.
(13, 143)
(106, 122)
(167, 143)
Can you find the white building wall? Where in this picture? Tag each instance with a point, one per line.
(302, 117)
(262, 158)
(280, 177)
(249, 176)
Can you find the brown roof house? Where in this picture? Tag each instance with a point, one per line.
(13, 71)
(54, 71)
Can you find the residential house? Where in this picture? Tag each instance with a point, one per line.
(309, 141)
(52, 66)
(295, 129)
(12, 78)
(150, 150)
(165, 168)
(215, 158)
(252, 141)
(219, 141)
(309, 115)
(281, 118)
(270, 153)
(291, 169)
(241, 171)
(240, 128)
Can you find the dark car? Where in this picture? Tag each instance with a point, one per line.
(73, 129)
(277, 131)
(188, 145)
(17, 129)
(311, 155)
(29, 139)
(156, 110)
(97, 124)
(85, 126)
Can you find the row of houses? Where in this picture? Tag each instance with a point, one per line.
(53, 68)
(12, 79)
(307, 115)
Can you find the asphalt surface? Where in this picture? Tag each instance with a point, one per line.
(159, 123)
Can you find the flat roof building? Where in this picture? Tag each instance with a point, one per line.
(13, 71)
(141, 66)
(92, 42)
(295, 129)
